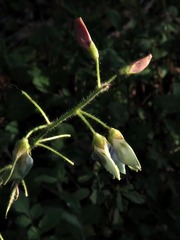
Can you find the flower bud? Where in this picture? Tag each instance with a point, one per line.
(123, 151)
(22, 146)
(22, 161)
(136, 66)
(101, 154)
(120, 165)
(84, 39)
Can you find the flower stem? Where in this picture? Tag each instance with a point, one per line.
(54, 137)
(54, 151)
(98, 73)
(37, 106)
(1, 238)
(25, 188)
(35, 129)
(95, 119)
(104, 87)
(70, 113)
(86, 122)
(8, 167)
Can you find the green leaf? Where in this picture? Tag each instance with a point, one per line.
(72, 220)
(22, 205)
(50, 220)
(134, 197)
(46, 179)
(115, 18)
(33, 233)
(23, 221)
(36, 211)
(40, 81)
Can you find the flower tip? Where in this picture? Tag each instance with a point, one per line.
(81, 33)
(99, 140)
(114, 133)
(84, 39)
(140, 64)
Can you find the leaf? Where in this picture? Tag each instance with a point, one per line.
(134, 197)
(115, 18)
(33, 233)
(23, 221)
(40, 81)
(72, 220)
(82, 193)
(36, 211)
(50, 220)
(22, 205)
(46, 179)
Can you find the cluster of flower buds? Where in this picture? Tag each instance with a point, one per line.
(115, 153)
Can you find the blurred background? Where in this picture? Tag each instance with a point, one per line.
(39, 54)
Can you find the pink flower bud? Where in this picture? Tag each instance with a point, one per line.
(140, 64)
(136, 66)
(84, 39)
(82, 35)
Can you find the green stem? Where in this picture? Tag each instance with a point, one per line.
(37, 106)
(95, 119)
(25, 188)
(104, 87)
(98, 73)
(54, 137)
(8, 167)
(54, 151)
(35, 129)
(111, 79)
(86, 122)
(13, 197)
(1, 238)
(71, 113)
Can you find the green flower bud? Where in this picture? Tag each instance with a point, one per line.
(101, 153)
(22, 161)
(123, 151)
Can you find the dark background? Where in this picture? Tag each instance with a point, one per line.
(39, 54)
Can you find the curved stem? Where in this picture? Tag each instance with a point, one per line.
(8, 167)
(25, 188)
(14, 196)
(35, 129)
(37, 106)
(54, 151)
(86, 122)
(95, 119)
(54, 137)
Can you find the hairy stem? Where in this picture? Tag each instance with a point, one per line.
(37, 106)
(56, 152)
(73, 112)
(86, 122)
(95, 119)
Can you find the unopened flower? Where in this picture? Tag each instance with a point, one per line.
(22, 161)
(123, 151)
(136, 66)
(102, 155)
(84, 39)
(120, 165)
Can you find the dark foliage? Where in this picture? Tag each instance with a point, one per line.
(38, 53)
